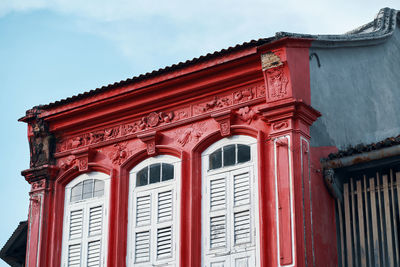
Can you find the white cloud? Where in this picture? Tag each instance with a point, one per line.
(192, 28)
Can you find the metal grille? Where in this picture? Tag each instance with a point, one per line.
(368, 220)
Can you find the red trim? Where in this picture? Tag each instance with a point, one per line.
(56, 221)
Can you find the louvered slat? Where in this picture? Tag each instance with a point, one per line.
(217, 231)
(165, 206)
(218, 264)
(217, 194)
(143, 211)
(241, 189)
(164, 242)
(142, 246)
(76, 224)
(74, 255)
(94, 253)
(95, 220)
(242, 228)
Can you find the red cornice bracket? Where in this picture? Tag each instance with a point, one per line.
(84, 156)
(47, 172)
(151, 139)
(224, 119)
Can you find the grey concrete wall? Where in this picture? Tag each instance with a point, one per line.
(357, 90)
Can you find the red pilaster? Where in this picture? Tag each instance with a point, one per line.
(288, 112)
(41, 180)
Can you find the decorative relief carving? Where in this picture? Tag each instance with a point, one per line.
(41, 144)
(280, 125)
(157, 119)
(277, 82)
(225, 127)
(246, 94)
(273, 65)
(120, 154)
(83, 164)
(38, 185)
(246, 114)
(193, 133)
(151, 147)
(260, 90)
(224, 120)
(150, 139)
(215, 103)
(67, 163)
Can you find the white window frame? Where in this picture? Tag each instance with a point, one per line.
(86, 203)
(253, 165)
(175, 185)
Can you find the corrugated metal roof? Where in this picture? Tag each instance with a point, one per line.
(252, 43)
(361, 148)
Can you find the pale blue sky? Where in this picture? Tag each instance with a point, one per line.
(52, 49)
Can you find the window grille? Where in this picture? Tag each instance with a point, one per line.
(368, 219)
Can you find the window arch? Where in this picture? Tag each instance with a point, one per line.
(86, 220)
(153, 220)
(230, 203)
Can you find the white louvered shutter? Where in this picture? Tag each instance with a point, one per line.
(85, 222)
(85, 231)
(142, 245)
(164, 224)
(229, 219)
(94, 235)
(154, 228)
(243, 230)
(75, 226)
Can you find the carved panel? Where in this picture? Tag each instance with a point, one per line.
(38, 185)
(154, 120)
(275, 73)
(280, 125)
(277, 83)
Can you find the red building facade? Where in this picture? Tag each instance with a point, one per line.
(204, 163)
(259, 90)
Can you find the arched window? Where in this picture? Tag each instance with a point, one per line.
(229, 203)
(85, 221)
(153, 224)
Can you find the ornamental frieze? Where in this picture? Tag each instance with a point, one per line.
(154, 120)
